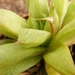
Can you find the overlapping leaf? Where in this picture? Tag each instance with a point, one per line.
(38, 7)
(14, 53)
(21, 66)
(14, 57)
(70, 13)
(60, 59)
(33, 37)
(50, 70)
(5, 41)
(32, 23)
(41, 26)
(65, 35)
(47, 26)
(61, 8)
(10, 23)
(53, 13)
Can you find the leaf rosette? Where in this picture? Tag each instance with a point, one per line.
(46, 34)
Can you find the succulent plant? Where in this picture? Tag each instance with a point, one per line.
(45, 35)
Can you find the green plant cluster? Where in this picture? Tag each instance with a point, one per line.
(46, 34)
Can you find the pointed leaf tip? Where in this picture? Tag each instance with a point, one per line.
(60, 59)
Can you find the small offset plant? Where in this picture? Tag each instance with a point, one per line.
(46, 34)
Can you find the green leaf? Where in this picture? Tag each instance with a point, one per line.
(60, 59)
(61, 8)
(27, 2)
(38, 7)
(10, 23)
(53, 13)
(52, 27)
(32, 23)
(5, 41)
(33, 37)
(47, 26)
(70, 13)
(66, 35)
(21, 66)
(50, 70)
(41, 25)
(13, 53)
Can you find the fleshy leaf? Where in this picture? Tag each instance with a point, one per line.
(13, 53)
(41, 26)
(21, 66)
(33, 37)
(27, 2)
(65, 35)
(32, 23)
(5, 41)
(47, 26)
(50, 70)
(60, 59)
(61, 8)
(37, 7)
(53, 13)
(10, 23)
(51, 23)
(70, 13)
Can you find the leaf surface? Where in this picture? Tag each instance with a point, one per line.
(61, 8)
(27, 2)
(66, 35)
(5, 41)
(21, 66)
(54, 14)
(10, 23)
(37, 7)
(60, 59)
(47, 26)
(70, 13)
(50, 70)
(13, 53)
(32, 23)
(33, 37)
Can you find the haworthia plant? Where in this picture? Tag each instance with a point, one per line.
(45, 35)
